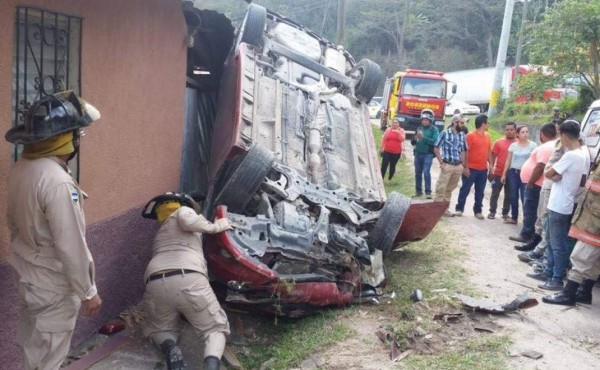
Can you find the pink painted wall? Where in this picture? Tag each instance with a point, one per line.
(133, 71)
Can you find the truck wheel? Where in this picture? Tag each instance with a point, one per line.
(384, 233)
(253, 25)
(369, 76)
(245, 179)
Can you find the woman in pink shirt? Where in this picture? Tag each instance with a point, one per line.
(391, 148)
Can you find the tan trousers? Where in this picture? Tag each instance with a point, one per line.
(191, 296)
(541, 211)
(46, 326)
(447, 182)
(586, 262)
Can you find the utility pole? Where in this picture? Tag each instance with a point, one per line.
(341, 21)
(520, 42)
(501, 57)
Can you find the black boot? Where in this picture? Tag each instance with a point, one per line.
(173, 355)
(584, 293)
(530, 245)
(566, 297)
(212, 363)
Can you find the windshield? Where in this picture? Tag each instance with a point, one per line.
(423, 87)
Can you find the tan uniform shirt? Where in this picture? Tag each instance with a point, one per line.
(47, 227)
(178, 242)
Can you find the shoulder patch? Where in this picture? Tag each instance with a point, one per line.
(74, 195)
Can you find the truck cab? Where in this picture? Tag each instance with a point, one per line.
(412, 91)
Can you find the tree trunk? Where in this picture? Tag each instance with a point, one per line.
(595, 73)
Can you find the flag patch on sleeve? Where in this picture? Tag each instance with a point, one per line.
(75, 196)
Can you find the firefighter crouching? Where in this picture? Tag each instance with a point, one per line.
(585, 257)
(177, 282)
(47, 230)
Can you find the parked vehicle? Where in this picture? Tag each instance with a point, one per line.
(295, 169)
(374, 109)
(590, 129)
(461, 106)
(408, 93)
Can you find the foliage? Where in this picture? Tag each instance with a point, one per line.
(442, 35)
(568, 39)
(533, 85)
(586, 98)
(570, 105)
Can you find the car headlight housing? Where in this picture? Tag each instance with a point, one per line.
(401, 119)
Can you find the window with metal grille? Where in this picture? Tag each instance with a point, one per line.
(47, 60)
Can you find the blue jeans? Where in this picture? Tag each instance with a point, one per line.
(559, 246)
(477, 178)
(423, 169)
(532, 198)
(517, 191)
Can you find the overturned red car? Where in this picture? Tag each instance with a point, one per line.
(295, 169)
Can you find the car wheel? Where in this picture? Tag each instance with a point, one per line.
(368, 82)
(245, 179)
(384, 233)
(253, 25)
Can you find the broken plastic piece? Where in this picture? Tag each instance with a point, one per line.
(416, 295)
(112, 327)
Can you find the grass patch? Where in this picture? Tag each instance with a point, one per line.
(479, 353)
(286, 343)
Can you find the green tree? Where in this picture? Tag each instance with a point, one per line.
(568, 40)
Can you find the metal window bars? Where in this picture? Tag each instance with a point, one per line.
(47, 57)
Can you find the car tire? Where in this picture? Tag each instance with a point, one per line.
(253, 25)
(386, 228)
(245, 179)
(368, 83)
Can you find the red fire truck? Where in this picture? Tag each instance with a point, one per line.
(409, 92)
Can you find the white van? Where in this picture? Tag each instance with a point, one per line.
(591, 129)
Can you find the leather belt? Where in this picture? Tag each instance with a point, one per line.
(163, 275)
(452, 163)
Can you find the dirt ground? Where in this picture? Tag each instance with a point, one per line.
(567, 338)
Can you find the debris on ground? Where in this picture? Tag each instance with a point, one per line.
(489, 327)
(416, 295)
(133, 316)
(520, 303)
(231, 359)
(268, 364)
(112, 327)
(532, 354)
(448, 317)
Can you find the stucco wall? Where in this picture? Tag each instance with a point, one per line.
(133, 71)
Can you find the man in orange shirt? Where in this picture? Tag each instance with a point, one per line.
(479, 160)
(499, 154)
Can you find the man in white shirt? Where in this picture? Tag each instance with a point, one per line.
(567, 174)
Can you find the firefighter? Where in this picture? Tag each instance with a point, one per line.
(177, 281)
(47, 230)
(585, 257)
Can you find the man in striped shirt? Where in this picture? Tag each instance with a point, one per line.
(449, 150)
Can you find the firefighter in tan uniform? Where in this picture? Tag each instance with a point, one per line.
(177, 281)
(585, 257)
(47, 230)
